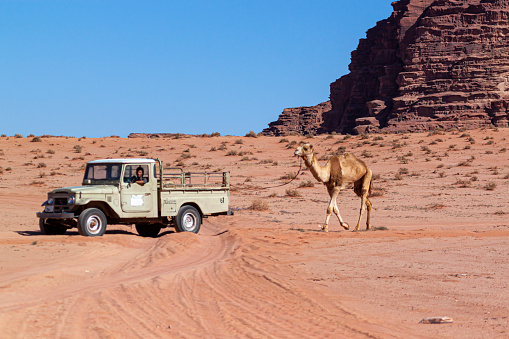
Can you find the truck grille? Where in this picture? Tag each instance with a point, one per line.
(61, 201)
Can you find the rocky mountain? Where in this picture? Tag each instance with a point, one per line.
(442, 63)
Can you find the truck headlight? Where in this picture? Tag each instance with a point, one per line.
(70, 200)
(51, 201)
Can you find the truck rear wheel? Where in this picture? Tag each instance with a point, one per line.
(188, 220)
(50, 228)
(148, 230)
(92, 223)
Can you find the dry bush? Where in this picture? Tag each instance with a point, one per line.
(462, 183)
(490, 186)
(377, 192)
(239, 142)
(293, 193)
(77, 148)
(403, 170)
(305, 184)
(251, 134)
(259, 205)
(232, 152)
(287, 176)
(213, 149)
(41, 165)
(366, 154)
(36, 139)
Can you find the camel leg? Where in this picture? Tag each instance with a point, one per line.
(336, 211)
(334, 192)
(363, 193)
(368, 204)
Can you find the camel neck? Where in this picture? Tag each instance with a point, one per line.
(318, 171)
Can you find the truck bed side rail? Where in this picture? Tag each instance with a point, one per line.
(177, 178)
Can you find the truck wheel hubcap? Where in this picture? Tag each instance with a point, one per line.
(94, 224)
(189, 221)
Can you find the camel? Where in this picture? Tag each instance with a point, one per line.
(340, 171)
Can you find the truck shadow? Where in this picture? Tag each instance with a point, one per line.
(74, 233)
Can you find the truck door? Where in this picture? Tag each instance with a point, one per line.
(136, 197)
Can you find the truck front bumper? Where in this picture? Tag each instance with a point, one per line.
(45, 215)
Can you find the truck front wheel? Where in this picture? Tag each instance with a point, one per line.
(49, 228)
(92, 223)
(188, 220)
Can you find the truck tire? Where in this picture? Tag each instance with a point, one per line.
(148, 230)
(188, 220)
(49, 228)
(92, 223)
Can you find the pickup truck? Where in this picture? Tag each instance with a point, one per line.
(112, 192)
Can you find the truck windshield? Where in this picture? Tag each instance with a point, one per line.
(103, 174)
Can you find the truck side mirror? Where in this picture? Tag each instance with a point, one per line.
(87, 182)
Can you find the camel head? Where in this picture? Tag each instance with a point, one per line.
(304, 151)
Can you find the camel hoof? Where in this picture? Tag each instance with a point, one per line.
(324, 228)
(345, 226)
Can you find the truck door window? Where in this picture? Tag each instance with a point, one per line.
(130, 172)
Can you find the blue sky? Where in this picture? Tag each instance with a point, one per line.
(111, 67)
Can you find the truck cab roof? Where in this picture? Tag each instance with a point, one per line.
(123, 161)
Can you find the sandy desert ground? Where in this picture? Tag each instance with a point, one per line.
(440, 245)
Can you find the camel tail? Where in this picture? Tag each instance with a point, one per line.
(370, 187)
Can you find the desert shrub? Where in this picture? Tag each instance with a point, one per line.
(3, 135)
(377, 192)
(467, 147)
(251, 134)
(340, 150)
(50, 151)
(259, 205)
(398, 176)
(462, 183)
(266, 161)
(488, 152)
(491, 142)
(273, 195)
(213, 149)
(378, 138)
(36, 182)
(289, 175)
(348, 136)
(364, 136)
(366, 154)
(283, 140)
(291, 144)
(239, 142)
(180, 164)
(8, 169)
(503, 150)
(41, 165)
(186, 155)
(308, 183)
(403, 170)
(1, 170)
(490, 186)
(441, 174)
(453, 146)
(77, 148)
(232, 152)
(246, 158)
(440, 165)
(36, 139)
(376, 176)
(18, 136)
(223, 146)
(292, 193)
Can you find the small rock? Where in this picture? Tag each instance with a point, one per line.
(436, 320)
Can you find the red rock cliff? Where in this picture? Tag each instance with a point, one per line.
(431, 64)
